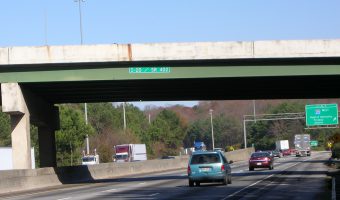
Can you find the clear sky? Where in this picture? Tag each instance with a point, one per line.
(41, 22)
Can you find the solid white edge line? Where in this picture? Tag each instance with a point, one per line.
(151, 195)
(333, 189)
(111, 190)
(65, 198)
(233, 194)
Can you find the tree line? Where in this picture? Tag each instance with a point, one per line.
(166, 134)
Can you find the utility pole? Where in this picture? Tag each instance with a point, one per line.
(80, 20)
(124, 116)
(254, 107)
(244, 133)
(81, 43)
(212, 129)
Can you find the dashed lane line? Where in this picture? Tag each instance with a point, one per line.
(259, 181)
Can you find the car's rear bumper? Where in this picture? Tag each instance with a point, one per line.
(208, 177)
(261, 165)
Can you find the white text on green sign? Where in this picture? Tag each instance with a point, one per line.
(149, 70)
(322, 114)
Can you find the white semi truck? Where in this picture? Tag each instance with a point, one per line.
(130, 153)
(90, 159)
(302, 145)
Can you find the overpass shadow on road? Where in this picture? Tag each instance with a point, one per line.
(74, 174)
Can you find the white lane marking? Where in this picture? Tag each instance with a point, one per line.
(142, 183)
(333, 189)
(151, 195)
(65, 198)
(233, 194)
(111, 190)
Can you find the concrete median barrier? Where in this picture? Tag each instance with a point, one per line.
(19, 180)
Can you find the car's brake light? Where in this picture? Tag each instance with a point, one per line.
(266, 159)
(189, 170)
(222, 168)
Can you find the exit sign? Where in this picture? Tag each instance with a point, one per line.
(322, 114)
(149, 70)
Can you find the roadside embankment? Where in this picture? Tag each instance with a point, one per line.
(19, 180)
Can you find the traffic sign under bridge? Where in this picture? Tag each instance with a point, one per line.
(314, 143)
(322, 114)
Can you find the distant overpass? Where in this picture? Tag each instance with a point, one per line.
(34, 79)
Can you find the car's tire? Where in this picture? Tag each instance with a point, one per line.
(198, 183)
(191, 183)
(271, 167)
(251, 168)
(224, 181)
(229, 179)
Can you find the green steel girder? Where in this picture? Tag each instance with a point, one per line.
(186, 80)
(178, 72)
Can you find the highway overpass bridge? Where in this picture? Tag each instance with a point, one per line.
(35, 79)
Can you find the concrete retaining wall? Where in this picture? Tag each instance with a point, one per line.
(239, 155)
(18, 180)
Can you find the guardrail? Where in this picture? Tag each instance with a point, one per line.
(18, 180)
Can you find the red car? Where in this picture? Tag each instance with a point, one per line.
(286, 152)
(261, 160)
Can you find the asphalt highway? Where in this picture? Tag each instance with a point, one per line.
(292, 178)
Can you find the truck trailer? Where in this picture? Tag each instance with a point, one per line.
(302, 145)
(130, 153)
(282, 145)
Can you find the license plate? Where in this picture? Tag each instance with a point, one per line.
(205, 169)
(258, 163)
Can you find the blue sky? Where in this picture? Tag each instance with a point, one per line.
(41, 22)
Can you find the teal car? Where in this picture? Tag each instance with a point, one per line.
(205, 166)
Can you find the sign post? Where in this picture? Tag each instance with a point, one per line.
(322, 115)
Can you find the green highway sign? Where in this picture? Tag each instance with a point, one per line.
(322, 114)
(149, 70)
(314, 143)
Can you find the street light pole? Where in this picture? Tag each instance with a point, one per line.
(244, 133)
(212, 129)
(124, 116)
(80, 20)
(81, 43)
(254, 107)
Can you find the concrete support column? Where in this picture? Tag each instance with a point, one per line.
(21, 142)
(14, 104)
(47, 150)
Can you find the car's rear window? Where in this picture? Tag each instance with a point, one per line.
(205, 159)
(255, 155)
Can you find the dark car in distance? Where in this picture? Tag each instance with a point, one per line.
(261, 160)
(277, 153)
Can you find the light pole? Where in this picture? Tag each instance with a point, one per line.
(244, 133)
(124, 117)
(81, 43)
(80, 20)
(212, 129)
(254, 107)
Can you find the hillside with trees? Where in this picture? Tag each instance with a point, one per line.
(166, 131)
